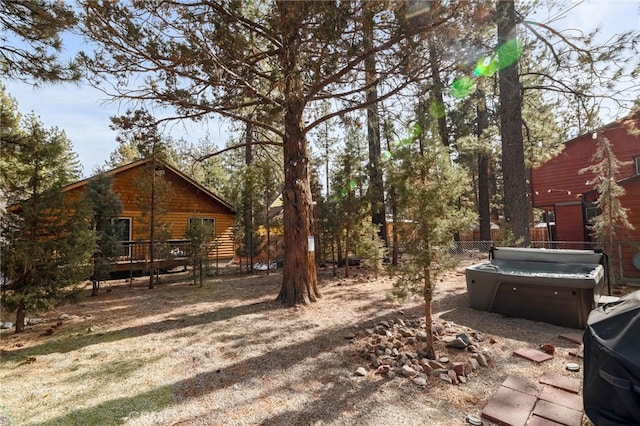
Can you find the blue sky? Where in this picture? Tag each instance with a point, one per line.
(83, 112)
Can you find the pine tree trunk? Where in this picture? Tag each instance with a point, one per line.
(428, 297)
(516, 206)
(20, 314)
(376, 184)
(484, 172)
(299, 276)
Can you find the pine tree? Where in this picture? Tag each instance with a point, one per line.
(140, 128)
(46, 238)
(106, 207)
(30, 43)
(613, 219)
(428, 186)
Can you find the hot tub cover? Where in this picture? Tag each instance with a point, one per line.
(611, 393)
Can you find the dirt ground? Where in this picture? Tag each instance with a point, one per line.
(228, 354)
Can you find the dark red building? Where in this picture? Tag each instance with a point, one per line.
(562, 191)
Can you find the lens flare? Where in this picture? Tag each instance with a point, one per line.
(437, 109)
(485, 67)
(508, 53)
(462, 87)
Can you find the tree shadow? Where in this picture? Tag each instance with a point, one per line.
(72, 343)
(348, 392)
(455, 307)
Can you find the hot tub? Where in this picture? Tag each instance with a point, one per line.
(555, 286)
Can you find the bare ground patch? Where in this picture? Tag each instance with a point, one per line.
(228, 354)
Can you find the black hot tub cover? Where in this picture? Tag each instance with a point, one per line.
(611, 392)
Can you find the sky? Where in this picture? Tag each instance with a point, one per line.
(83, 112)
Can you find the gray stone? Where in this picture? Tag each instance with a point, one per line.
(408, 371)
(420, 381)
(474, 364)
(446, 378)
(63, 317)
(456, 343)
(6, 325)
(435, 364)
(34, 321)
(361, 371)
(422, 335)
(440, 371)
(482, 360)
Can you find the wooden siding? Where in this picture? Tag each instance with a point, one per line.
(569, 223)
(558, 186)
(631, 201)
(559, 180)
(187, 200)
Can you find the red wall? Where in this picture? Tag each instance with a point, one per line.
(569, 223)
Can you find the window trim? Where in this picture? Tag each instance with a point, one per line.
(127, 249)
(204, 218)
(637, 161)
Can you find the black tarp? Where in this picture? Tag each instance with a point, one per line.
(611, 388)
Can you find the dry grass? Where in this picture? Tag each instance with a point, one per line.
(228, 354)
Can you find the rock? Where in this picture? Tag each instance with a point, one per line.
(411, 341)
(465, 338)
(479, 337)
(474, 364)
(446, 378)
(420, 381)
(383, 369)
(454, 377)
(361, 371)
(439, 372)
(379, 329)
(391, 374)
(6, 325)
(63, 317)
(426, 367)
(458, 367)
(462, 379)
(456, 343)
(438, 329)
(482, 360)
(422, 336)
(34, 321)
(435, 364)
(405, 332)
(408, 371)
(397, 344)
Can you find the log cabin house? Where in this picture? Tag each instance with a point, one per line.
(187, 201)
(562, 191)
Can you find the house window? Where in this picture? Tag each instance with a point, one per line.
(124, 227)
(590, 214)
(209, 221)
(637, 161)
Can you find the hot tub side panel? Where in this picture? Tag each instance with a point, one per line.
(564, 306)
(553, 299)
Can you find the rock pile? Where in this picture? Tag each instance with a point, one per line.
(394, 348)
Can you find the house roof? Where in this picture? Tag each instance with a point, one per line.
(172, 169)
(618, 123)
(622, 182)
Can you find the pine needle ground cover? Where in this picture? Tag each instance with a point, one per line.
(227, 353)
